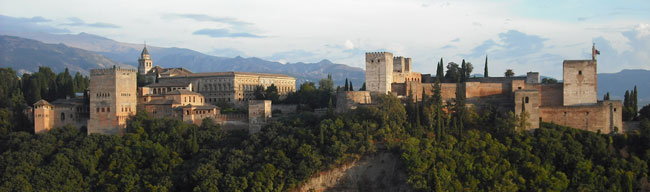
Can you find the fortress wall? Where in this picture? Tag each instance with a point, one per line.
(528, 100)
(347, 100)
(604, 116)
(551, 94)
(447, 90)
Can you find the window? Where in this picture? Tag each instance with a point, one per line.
(518, 87)
(108, 109)
(102, 109)
(526, 99)
(579, 72)
(97, 109)
(62, 116)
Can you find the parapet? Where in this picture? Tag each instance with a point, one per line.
(378, 54)
(106, 71)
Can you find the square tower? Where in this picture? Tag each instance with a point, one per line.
(379, 72)
(580, 82)
(112, 100)
(43, 116)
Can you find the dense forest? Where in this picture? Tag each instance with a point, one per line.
(443, 147)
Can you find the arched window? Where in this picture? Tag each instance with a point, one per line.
(526, 99)
(62, 116)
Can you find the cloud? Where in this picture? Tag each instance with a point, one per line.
(448, 47)
(519, 43)
(202, 17)
(76, 22)
(234, 27)
(21, 25)
(294, 55)
(482, 48)
(348, 44)
(224, 33)
(227, 52)
(636, 56)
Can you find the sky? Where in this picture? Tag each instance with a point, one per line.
(519, 35)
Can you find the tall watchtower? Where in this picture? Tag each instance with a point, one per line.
(379, 72)
(43, 116)
(580, 82)
(112, 99)
(144, 62)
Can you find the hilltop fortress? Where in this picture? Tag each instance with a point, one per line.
(572, 102)
(113, 97)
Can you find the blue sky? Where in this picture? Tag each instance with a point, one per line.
(522, 35)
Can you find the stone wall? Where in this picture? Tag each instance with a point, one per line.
(284, 108)
(347, 100)
(580, 82)
(259, 113)
(528, 100)
(551, 94)
(604, 116)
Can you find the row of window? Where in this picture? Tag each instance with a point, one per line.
(187, 112)
(103, 109)
(104, 95)
(218, 99)
(193, 99)
(165, 90)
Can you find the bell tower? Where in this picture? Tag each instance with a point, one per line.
(144, 62)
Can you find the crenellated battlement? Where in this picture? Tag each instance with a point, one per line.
(372, 55)
(106, 71)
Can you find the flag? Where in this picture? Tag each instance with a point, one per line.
(597, 52)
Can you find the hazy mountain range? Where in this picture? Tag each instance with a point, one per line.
(83, 51)
(26, 55)
(128, 53)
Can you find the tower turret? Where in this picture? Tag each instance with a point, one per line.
(144, 62)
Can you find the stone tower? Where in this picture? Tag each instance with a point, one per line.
(580, 82)
(112, 99)
(379, 72)
(144, 62)
(43, 116)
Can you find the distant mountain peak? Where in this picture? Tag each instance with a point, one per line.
(325, 61)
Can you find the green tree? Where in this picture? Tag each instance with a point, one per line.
(363, 87)
(485, 69)
(549, 80)
(272, 94)
(509, 73)
(259, 93)
(453, 73)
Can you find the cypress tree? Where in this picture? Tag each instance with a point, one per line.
(635, 103)
(437, 99)
(440, 73)
(351, 88)
(463, 69)
(606, 97)
(485, 69)
(363, 87)
(347, 87)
